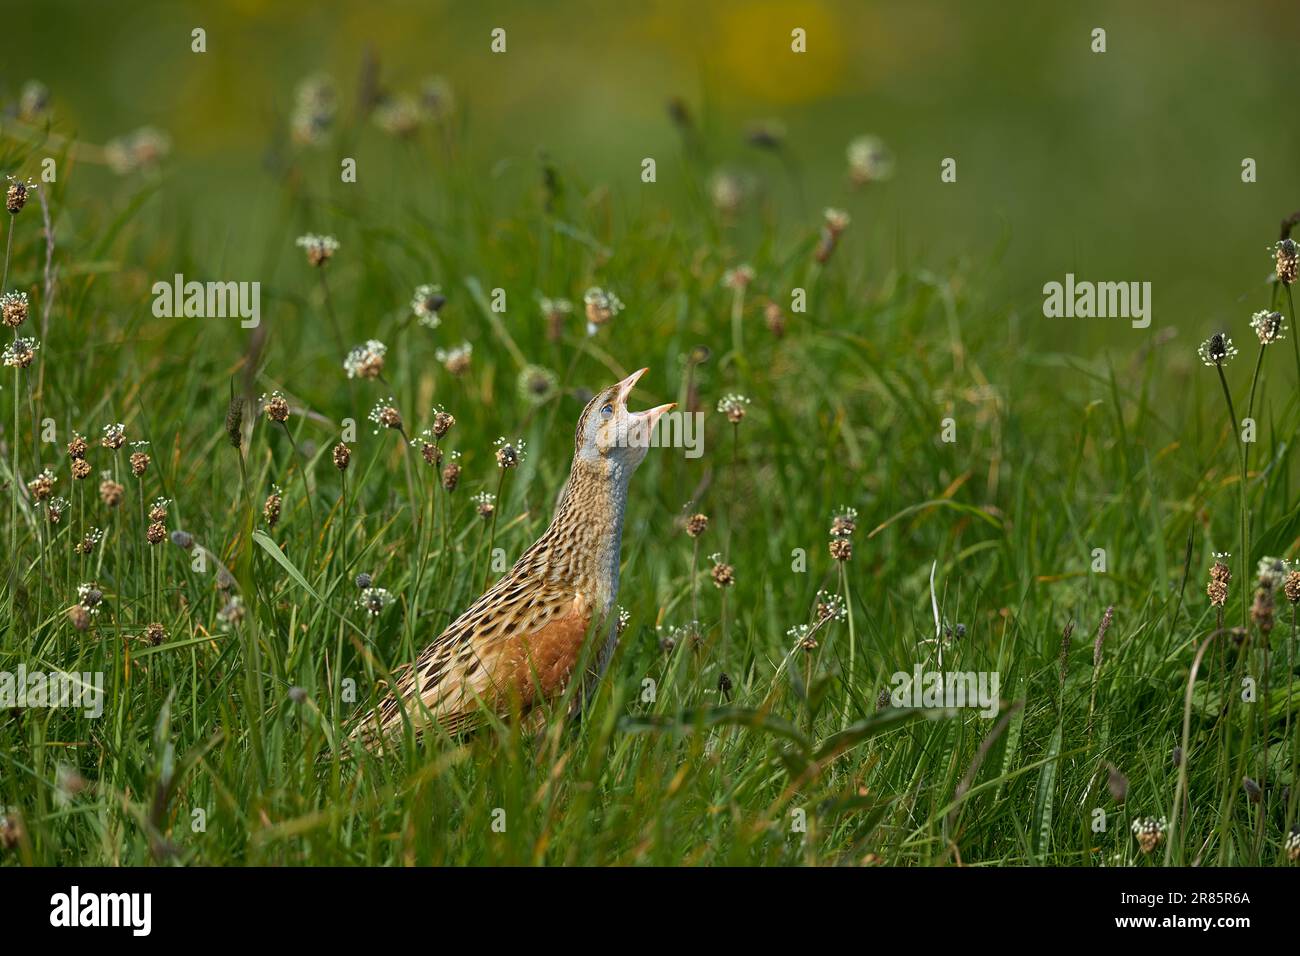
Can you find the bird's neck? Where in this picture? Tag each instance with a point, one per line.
(587, 530)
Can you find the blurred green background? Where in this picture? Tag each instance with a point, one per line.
(1117, 166)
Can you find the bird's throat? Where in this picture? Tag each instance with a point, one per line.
(587, 529)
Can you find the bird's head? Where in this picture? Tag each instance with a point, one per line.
(611, 436)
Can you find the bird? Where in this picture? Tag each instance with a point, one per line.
(516, 648)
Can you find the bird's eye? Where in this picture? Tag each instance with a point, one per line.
(606, 411)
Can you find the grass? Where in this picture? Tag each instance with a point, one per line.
(215, 746)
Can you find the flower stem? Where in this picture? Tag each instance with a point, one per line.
(1295, 334)
(853, 640)
(1241, 457)
(492, 536)
(302, 470)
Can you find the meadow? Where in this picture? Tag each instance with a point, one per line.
(894, 473)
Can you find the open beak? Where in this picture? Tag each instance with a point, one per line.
(648, 417)
(625, 387)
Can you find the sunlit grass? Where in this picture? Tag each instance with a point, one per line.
(223, 743)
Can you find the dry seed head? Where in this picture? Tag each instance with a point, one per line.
(314, 110)
(143, 148)
(555, 311)
(271, 509)
(385, 415)
(54, 510)
(13, 308)
(1102, 628)
(841, 549)
(724, 575)
(830, 238)
(139, 463)
(33, 101)
(319, 249)
(1217, 350)
(601, 305)
(831, 607)
(42, 486)
(728, 192)
(235, 422)
(455, 360)
(16, 197)
(1219, 571)
(510, 454)
(537, 385)
(374, 600)
(366, 361)
(1269, 327)
(154, 634)
(110, 492)
(697, 524)
(342, 455)
(427, 303)
(90, 597)
(1286, 255)
(79, 617)
(77, 447)
(429, 451)
(20, 353)
(1271, 572)
(1261, 610)
(738, 278)
(233, 613)
(80, 469)
(735, 407)
(11, 830)
(88, 541)
(276, 407)
(442, 423)
(451, 474)
(158, 510)
(1220, 575)
(1253, 791)
(1117, 784)
(844, 522)
(399, 116)
(156, 533)
(1149, 832)
(667, 641)
(1292, 587)
(114, 436)
(774, 318)
(869, 160)
(437, 99)
(837, 220)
